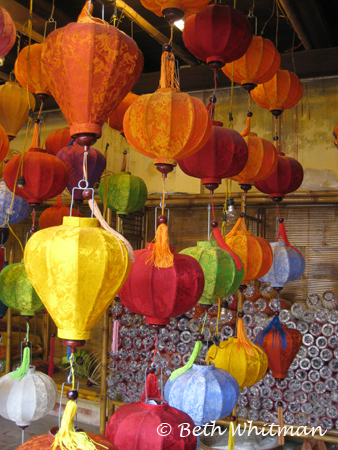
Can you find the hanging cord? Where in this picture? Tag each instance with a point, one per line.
(231, 119)
(272, 14)
(277, 24)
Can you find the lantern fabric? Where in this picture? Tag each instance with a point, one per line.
(45, 175)
(7, 33)
(45, 442)
(125, 193)
(282, 92)
(4, 144)
(17, 292)
(53, 216)
(186, 7)
(167, 125)
(223, 156)
(19, 210)
(287, 177)
(205, 393)
(135, 426)
(160, 294)
(57, 140)
(90, 68)
(14, 107)
(115, 120)
(57, 258)
(258, 65)
(218, 35)
(221, 276)
(29, 399)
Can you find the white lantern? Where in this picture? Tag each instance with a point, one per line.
(29, 399)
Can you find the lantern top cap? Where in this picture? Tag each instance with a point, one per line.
(203, 368)
(207, 244)
(80, 222)
(161, 405)
(277, 244)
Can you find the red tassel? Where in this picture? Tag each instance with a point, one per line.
(152, 387)
(51, 357)
(221, 242)
(282, 234)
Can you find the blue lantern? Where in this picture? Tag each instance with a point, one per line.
(204, 393)
(15, 214)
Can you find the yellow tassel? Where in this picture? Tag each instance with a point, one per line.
(161, 256)
(232, 434)
(281, 438)
(169, 78)
(242, 338)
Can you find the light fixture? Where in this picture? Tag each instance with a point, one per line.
(231, 214)
(179, 24)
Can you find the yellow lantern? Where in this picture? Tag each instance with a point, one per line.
(76, 269)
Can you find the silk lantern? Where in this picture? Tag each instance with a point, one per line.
(15, 104)
(90, 66)
(160, 294)
(17, 292)
(57, 140)
(4, 144)
(72, 157)
(205, 393)
(29, 399)
(57, 258)
(244, 360)
(218, 35)
(53, 216)
(115, 120)
(175, 10)
(258, 65)
(15, 213)
(45, 442)
(335, 135)
(138, 425)
(223, 156)
(282, 92)
(7, 33)
(221, 275)
(125, 193)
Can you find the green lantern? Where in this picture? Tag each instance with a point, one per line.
(17, 292)
(125, 193)
(221, 276)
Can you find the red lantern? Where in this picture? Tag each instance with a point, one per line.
(160, 294)
(57, 140)
(141, 425)
(218, 35)
(53, 216)
(223, 156)
(7, 33)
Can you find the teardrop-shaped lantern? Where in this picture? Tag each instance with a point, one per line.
(53, 216)
(12, 213)
(7, 33)
(218, 35)
(259, 64)
(57, 140)
(115, 120)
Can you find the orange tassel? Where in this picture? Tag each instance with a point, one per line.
(169, 78)
(281, 438)
(161, 256)
(36, 135)
(242, 338)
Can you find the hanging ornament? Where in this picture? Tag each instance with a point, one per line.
(218, 35)
(7, 33)
(115, 120)
(57, 140)
(335, 135)
(90, 67)
(258, 65)
(53, 216)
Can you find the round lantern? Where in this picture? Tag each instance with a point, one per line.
(223, 156)
(218, 35)
(57, 140)
(125, 193)
(222, 278)
(282, 92)
(44, 176)
(28, 71)
(17, 292)
(72, 157)
(7, 33)
(175, 9)
(259, 64)
(244, 360)
(90, 67)
(160, 294)
(76, 269)
(14, 107)
(287, 178)
(29, 399)
(205, 393)
(335, 135)
(139, 425)
(15, 213)
(4, 144)
(53, 216)
(115, 120)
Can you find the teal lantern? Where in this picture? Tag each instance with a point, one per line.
(125, 193)
(222, 278)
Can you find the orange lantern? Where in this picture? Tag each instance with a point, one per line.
(56, 140)
(4, 144)
(259, 64)
(90, 66)
(7, 33)
(173, 10)
(335, 135)
(255, 252)
(28, 71)
(115, 120)
(282, 92)
(14, 108)
(53, 216)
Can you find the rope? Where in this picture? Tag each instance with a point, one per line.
(171, 34)
(231, 119)
(163, 195)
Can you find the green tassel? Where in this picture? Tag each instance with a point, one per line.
(193, 356)
(21, 371)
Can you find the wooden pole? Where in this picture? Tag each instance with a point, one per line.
(9, 311)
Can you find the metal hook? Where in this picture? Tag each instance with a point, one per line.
(80, 188)
(90, 4)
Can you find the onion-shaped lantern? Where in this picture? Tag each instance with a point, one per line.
(259, 64)
(221, 275)
(136, 426)
(335, 135)
(11, 213)
(282, 92)
(29, 399)
(53, 216)
(218, 35)
(115, 120)
(57, 140)
(205, 393)
(124, 193)
(90, 67)
(7, 33)
(175, 9)
(223, 156)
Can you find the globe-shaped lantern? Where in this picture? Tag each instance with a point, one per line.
(57, 140)
(218, 35)
(29, 399)
(53, 216)
(223, 156)
(15, 213)
(160, 294)
(205, 393)
(174, 10)
(7, 33)
(125, 193)
(335, 135)
(115, 120)
(221, 275)
(136, 426)
(258, 65)
(109, 63)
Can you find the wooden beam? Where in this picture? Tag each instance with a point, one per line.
(288, 6)
(21, 28)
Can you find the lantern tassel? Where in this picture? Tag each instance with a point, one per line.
(151, 387)
(279, 335)
(242, 338)
(21, 371)
(221, 242)
(246, 130)
(232, 434)
(169, 78)
(281, 438)
(193, 356)
(36, 135)
(161, 256)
